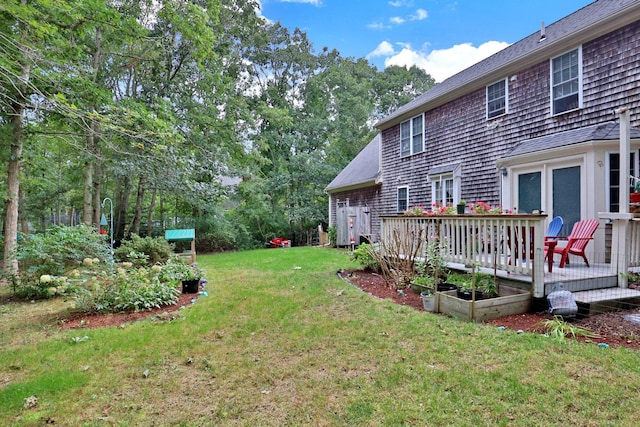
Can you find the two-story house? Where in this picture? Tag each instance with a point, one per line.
(533, 127)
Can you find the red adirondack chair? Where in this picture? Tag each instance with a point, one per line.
(581, 235)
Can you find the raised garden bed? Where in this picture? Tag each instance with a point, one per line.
(510, 301)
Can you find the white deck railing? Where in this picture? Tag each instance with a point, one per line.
(633, 256)
(491, 241)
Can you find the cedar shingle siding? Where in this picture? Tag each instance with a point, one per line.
(369, 197)
(458, 131)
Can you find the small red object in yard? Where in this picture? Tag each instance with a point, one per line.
(279, 242)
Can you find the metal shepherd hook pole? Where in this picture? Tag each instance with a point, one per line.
(104, 222)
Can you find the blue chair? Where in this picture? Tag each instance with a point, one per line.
(555, 226)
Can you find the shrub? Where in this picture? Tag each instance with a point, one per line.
(134, 289)
(55, 251)
(176, 269)
(365, 255)
(46, 286)
(144, 251)
(332, 234)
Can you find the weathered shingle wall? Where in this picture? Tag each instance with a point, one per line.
(370, 197)
(459, 132)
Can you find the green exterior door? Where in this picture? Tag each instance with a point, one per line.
(566, 196)
(529, 192)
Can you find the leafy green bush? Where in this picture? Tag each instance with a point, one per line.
(46, 286)
(364, 254)
(57, 250)
(222, 231)
(176, 269)
(332, 234)
(134, 289)
(144, 251)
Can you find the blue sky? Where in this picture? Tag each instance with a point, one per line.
(440, 36)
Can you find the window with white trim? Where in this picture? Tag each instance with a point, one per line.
(412, 136)
(497, 99)
(566, 82)
(443, 190)
(403, 198)
(613, 178)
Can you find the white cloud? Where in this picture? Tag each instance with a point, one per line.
(441, 63)
(258, 10)
(400, 3)
(383, 49)
(420, 15)
(313, 2)
(377, 26)
(396, 20)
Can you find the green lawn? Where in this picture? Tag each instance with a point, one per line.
(282, 341)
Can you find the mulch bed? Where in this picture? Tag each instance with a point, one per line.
(613, 328)
(90, 321)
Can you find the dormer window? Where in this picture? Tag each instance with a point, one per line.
(497, 99)
(412, 136)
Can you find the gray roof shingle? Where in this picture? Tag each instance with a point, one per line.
(362, 171)
(601, 132)
(590, 18)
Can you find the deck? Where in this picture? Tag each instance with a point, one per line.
(492, 242)
(594, 288)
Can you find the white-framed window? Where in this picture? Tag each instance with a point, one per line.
(442, 190)
(612, 179)
(403, 198)
(566, 82)
(412, 136)
(497, 99)
(446, 183)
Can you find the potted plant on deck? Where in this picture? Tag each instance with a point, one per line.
(461, 206)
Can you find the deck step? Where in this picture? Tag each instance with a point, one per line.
(596, 301)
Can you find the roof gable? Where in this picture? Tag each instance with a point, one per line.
(362, 171)
(585, 24)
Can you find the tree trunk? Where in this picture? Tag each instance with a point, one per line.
(91, 208)
(135, 222)
(87, 210)
(13, 190)
(24, 224)
(97, 190)
(152, 207)
(120, 210)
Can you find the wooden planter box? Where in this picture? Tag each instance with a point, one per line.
(510, 301)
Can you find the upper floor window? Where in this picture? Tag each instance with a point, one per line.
(566, 81)
(497, 99)
(403, 199)
(411, 136)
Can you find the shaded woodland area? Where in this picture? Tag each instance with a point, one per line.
(194, 114)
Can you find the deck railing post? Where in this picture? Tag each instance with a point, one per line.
(623, 239)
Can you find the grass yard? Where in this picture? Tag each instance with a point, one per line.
(282, 341)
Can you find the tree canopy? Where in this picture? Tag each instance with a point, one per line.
(183, 113)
